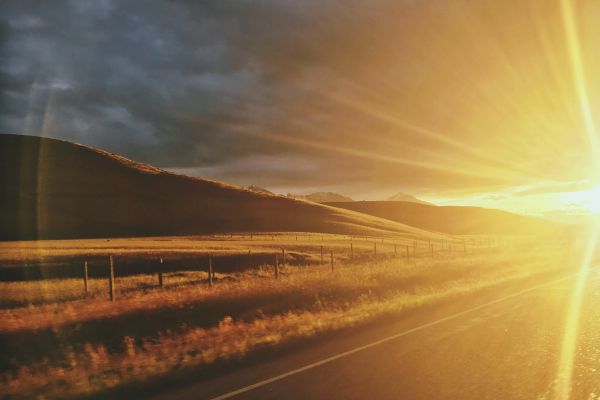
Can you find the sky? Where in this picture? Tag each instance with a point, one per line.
(481, 102)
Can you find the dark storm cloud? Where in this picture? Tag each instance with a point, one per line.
(158, 81)
(176, 84)
(341, 89)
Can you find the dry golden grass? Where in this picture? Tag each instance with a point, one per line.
(303, 303)
(304, 247)
(27, 293)
(40, 250)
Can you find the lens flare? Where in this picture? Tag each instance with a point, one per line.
(569, 344)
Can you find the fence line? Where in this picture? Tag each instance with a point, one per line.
(111, 279)
(281, 263)
(331, 260)
(85, 277)
(210, 270)
(160, 273)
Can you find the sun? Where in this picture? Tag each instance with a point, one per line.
(590, 199)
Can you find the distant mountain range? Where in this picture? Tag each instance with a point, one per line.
(258, 189)
(321, 197)
(400, 196)
(317, 197)
(329, 197)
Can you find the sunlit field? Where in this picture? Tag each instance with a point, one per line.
(66, 343)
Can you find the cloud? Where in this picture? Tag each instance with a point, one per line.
(423, 96)
(553, 187)
(129, 77)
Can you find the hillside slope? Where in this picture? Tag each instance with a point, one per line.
(450, 219)
(57, 189)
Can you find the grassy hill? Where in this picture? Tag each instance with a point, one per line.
(57, 189)
(450, 219)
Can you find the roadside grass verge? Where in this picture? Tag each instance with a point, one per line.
(248, 312)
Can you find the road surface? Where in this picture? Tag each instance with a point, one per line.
(503, 347)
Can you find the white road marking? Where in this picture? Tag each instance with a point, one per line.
(384, 340)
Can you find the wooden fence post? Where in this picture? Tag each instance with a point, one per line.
(210, 270)
(322, 261)
(111, 279)
(395, 249)
(351, 250)
(85, 277)
(283, 258)
(431, 248)
(160, 273)
(331, 260)
(374, 248)
(276, 266)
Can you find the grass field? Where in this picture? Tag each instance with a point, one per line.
(64, 344)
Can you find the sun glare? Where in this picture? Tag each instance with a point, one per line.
(564, 380)
(590, 199)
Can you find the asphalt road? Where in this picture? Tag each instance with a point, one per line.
(498, 346)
